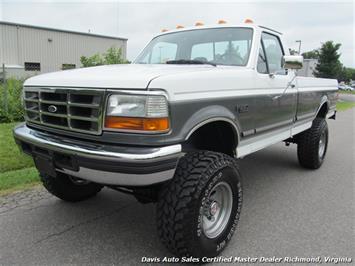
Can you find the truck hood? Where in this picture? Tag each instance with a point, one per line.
(132, 76)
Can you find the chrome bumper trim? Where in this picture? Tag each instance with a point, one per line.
(55, 143)
(103, 153)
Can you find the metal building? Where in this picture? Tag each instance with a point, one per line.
(27, 50)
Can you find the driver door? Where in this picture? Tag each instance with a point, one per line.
(275, 109)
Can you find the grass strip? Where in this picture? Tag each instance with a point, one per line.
(11, 181)
(346, 92)
(10, 156)
(342, 106)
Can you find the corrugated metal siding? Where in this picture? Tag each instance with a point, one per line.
(9, 40)
(25, 44)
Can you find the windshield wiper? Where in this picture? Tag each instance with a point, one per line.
(190, 62)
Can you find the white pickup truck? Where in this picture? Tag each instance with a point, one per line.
(169, 127)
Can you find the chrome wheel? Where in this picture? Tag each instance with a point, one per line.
(217, 210)
(322, 145)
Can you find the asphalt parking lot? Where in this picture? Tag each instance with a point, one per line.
(287, 211)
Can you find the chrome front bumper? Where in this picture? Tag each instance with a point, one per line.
(101, 163)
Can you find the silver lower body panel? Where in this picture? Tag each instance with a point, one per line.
(120, 179)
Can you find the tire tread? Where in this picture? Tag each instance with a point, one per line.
(177, 197)
(308, 141)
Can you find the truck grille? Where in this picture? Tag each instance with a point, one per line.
(70, 109)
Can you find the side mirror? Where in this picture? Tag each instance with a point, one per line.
(293, 61)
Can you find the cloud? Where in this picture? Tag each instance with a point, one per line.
(311, 22)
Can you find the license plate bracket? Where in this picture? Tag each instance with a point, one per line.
(45, 165)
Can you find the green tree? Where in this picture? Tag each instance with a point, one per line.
(314, 54)
(329, 65)
(346, 74)
(94, 60)
(112, 56)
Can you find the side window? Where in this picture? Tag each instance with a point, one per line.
(242, 50)
(202, 51)
(274, 53)
(221, 49)
(224, 52)
(232, 52)
(262, 64)
(162, 52)
(146, 59)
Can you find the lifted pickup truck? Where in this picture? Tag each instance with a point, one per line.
(169, 127)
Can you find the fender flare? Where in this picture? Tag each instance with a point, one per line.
(208, 115)
(323, 101)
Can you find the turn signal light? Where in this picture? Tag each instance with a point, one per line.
(137, 123)
(248, 20)
(198, 23)
(221, 21)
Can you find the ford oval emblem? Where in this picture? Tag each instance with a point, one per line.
(52, 108)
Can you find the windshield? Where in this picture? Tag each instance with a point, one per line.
(220, 46)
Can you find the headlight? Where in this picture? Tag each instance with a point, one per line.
(137, 112)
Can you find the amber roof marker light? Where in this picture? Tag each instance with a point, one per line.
(222, 21)
(179, 26)
(199, 23)
(248, 20)
(164, 30)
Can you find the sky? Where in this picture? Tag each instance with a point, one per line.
(312, 22)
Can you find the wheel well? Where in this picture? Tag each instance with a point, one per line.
(218, 136)
(323, 111)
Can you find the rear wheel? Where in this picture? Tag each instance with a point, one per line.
(69, 188)
(199, 209)
(313, 144)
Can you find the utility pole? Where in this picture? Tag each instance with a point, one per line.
(299, 46)
(5, 88)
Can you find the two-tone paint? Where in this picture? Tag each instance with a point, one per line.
(255, 104)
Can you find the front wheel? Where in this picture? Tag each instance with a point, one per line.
(313, 144)
(199, 209)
